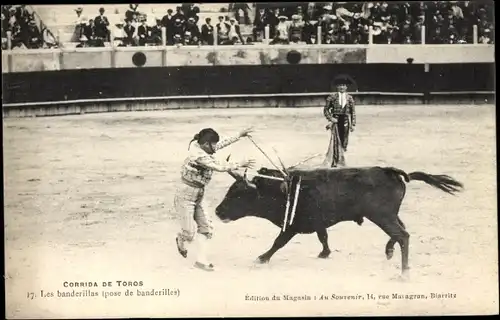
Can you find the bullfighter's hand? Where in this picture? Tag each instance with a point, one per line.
(247, 164)
(352, 128)
(246, 132)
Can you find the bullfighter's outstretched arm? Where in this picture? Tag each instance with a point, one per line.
(216, 165)
(228, 141)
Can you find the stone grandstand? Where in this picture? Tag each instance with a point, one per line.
(61, 19)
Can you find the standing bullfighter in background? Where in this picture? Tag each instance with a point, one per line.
(196, 173)
(340, 112)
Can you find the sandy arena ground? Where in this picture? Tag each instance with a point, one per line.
(89, 198)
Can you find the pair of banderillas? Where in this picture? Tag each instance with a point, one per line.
(294, 207)
(288, 214)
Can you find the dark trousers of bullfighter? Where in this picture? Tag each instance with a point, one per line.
(343, 127)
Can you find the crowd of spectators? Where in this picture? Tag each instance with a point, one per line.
(92, 32)
(396, 22)
(182, 28)
(392, 22)
(23, 28)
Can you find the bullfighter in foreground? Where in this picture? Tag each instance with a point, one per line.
(340, 111)
(196, 173)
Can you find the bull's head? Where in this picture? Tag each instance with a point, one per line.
(240, 199)
(249, 198)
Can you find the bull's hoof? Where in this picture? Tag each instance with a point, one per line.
(324, 254)
(262, 260)
(389, 253)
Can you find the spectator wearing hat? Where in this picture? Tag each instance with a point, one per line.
(168, 22)
(259, 24)
(90, 33)
(452, 20)
(417, 29)
(178, 40)
(179, 14)
(222, 31)
(129, 30)
(435, 36)
(310, 32)
(207, 33)
(168, 19)
(178, 28)
(34, 37)
(156, 34)
(193, 28)
(102, 24)
(118, 34)
(143, 33)
(406, 34)
(274, 21)
(382, 31)
(234, 32)
(330, 37)
(282, 32)
(79, 23)
(326, 20)
(486, 38)
(296, 29)
(187, 39)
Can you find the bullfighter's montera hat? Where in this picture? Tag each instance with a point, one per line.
(206, 135)
(342, 80)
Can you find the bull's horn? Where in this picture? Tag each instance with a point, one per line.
(250, 184)
(235, 175)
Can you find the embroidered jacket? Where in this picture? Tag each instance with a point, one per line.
(333, 107)
(197, 168)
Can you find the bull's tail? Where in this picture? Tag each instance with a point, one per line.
(440, 181)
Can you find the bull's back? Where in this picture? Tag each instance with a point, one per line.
(334, 195)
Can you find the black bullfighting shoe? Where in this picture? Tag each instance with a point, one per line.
(205, 267)
(180, 247)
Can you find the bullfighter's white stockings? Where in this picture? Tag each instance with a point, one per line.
(202, 249)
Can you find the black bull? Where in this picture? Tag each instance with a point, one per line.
(327, 197)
